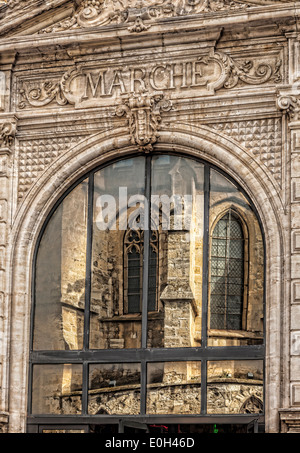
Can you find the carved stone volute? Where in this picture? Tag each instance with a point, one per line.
(7, 134)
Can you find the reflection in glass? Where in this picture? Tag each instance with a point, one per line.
(174, 388)
(57, 389)
(235, 387)
(114, 389)
(119, 216)
(236, 268)
(227, 274)
(63, 431)
(60, 276)
(177, 215)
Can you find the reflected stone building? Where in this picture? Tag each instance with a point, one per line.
(149, 216)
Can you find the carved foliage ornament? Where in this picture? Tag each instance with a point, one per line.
(142, 111)
(64, 92)
(135, 13)
(7, 134)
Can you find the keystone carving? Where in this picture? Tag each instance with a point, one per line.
(7, 135)
(142, 111)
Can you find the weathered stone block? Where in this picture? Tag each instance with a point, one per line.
(295, 343)
(295, 394)
(295, 368)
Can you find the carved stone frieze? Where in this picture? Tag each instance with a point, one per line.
(139, 15)
(7, 134)
(202, 75)
(142, 111)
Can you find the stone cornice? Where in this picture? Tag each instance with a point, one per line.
(15, 14)
(119, 33)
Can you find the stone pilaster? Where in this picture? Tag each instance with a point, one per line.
(7, 139)
(289, 102)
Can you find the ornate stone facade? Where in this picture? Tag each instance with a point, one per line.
(85, 82)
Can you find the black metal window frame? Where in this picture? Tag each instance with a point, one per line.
(143, 355)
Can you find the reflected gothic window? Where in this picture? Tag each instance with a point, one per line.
(227, 273)
(133, 271)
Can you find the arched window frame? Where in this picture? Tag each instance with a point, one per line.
(72, 357)
(244, 224)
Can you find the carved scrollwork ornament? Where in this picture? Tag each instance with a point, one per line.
(7, 134)
(135, 13)
(41, 96)
(233, 71)
(290, 104)
(142, 111)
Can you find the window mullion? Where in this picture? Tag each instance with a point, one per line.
(205, 285)
(89, 252)
(145, 284)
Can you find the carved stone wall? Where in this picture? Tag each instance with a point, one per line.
(262, 137)
(36, 155)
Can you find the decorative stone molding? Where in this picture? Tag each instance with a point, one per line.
(7, 134)
(3, 422)
(142, 111)
(289, 420)
(90, 13)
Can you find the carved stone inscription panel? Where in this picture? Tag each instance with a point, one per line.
(179, 77)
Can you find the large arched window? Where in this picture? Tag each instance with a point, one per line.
(148, 300)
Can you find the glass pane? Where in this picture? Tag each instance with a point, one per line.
(235, 387)
(60, 276)
(236, 271)
(117, 255)
(174, 388)
(57, 389)
(114, 389)
(177, 205)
